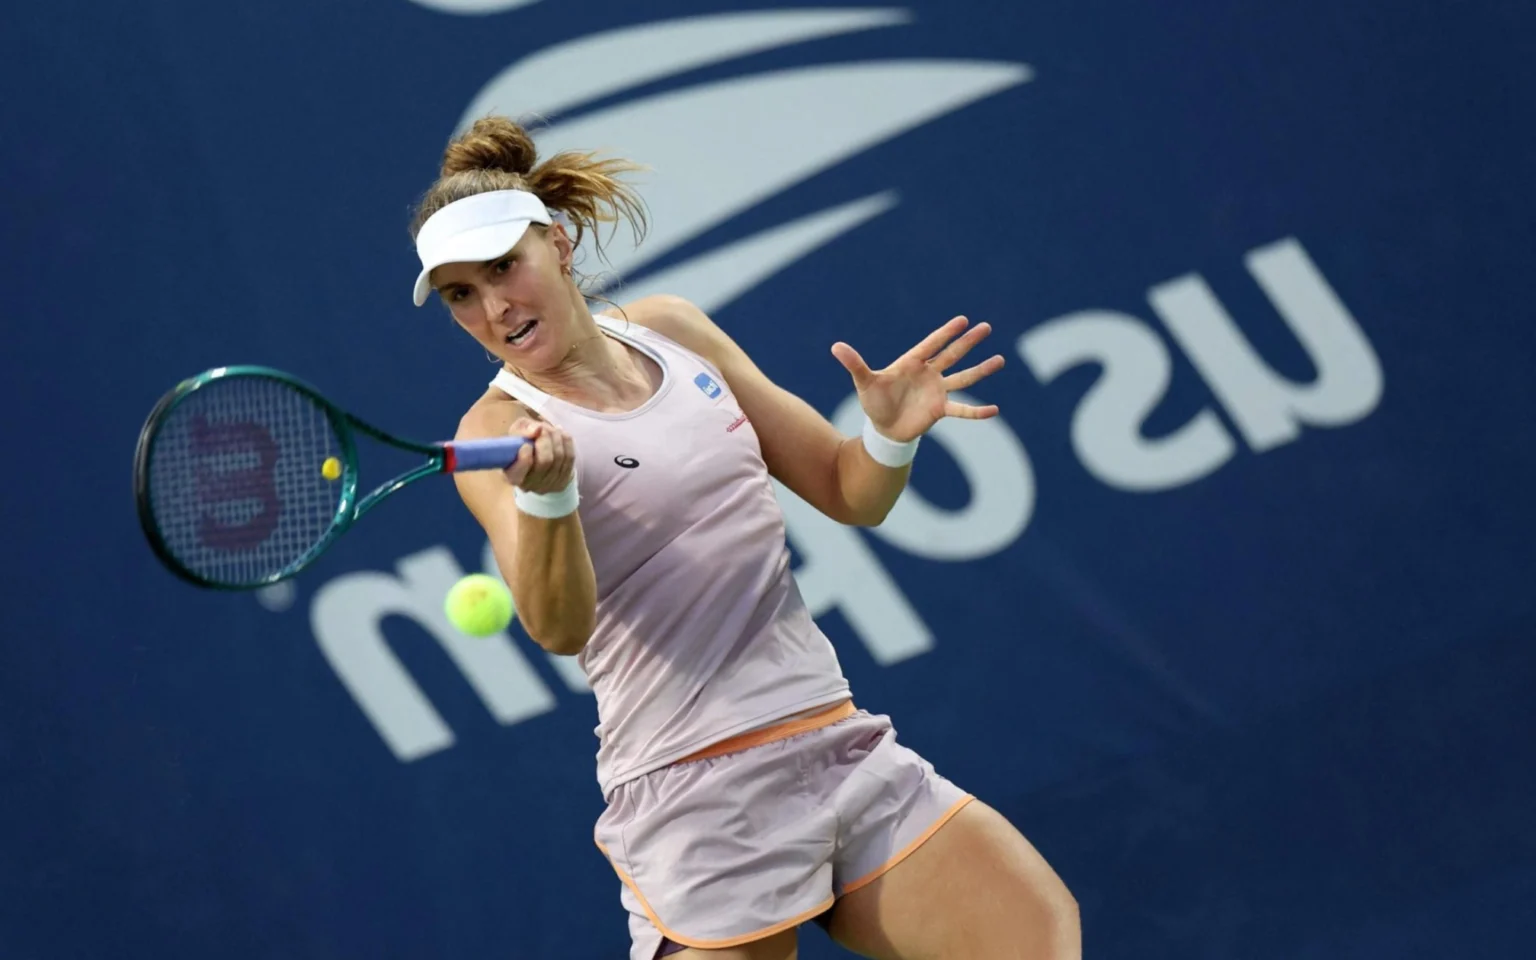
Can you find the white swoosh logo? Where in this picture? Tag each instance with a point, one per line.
(473, 8)
(720, 148)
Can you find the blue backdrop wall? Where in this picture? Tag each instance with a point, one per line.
(1230, 611)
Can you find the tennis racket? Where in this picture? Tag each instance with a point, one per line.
(243, 476)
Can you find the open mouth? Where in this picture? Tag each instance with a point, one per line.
(521, 333)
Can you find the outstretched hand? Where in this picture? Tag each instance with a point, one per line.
(912, 394)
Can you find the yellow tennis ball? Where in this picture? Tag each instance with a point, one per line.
(331, 468)
(479, 605)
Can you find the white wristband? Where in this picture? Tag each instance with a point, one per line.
(548, 506)
(885, 451)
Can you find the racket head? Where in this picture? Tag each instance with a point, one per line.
(228, 477)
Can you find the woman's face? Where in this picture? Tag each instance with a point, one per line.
(518, 306)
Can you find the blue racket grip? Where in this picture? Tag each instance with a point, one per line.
(494, 453)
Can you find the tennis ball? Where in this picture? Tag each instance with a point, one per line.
(331, 468)
(479, 605)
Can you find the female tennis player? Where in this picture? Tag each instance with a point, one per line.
(639, 532)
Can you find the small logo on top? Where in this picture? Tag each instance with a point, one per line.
(707, 383)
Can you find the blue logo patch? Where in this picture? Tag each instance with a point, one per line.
(706, 383)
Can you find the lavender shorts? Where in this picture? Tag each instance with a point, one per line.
(718, 852)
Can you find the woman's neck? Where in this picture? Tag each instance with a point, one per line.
(598, 372)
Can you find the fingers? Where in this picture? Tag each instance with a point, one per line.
(930, 344)
(538, 477)
(936, 350)
(853, 363)
(545, 462)
(966, 378)
(517, 471)
(545, 465)
(951, 354)
(564, 469)
(964, 411)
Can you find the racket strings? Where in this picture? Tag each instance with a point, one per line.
(236, 488)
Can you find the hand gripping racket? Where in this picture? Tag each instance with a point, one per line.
(245, 475)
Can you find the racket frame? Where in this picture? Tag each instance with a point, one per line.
(344, 425)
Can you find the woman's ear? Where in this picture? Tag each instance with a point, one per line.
(565, 247)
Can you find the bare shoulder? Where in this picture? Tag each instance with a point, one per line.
(681, 321)
(492, 415)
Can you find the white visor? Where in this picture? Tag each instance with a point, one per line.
(474, 230)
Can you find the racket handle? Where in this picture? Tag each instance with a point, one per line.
(493, 453)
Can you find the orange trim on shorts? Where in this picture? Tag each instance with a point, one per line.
(771, 734)
(710, 944)
(908, 850)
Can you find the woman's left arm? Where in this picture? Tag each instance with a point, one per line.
(833, 473)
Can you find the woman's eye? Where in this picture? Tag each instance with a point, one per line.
(502, 266)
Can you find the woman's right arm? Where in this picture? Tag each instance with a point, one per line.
(544, 561)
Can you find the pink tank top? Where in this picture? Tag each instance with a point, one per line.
(701, 631)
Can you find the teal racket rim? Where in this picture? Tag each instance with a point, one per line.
(342, 426)
(202, 498)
